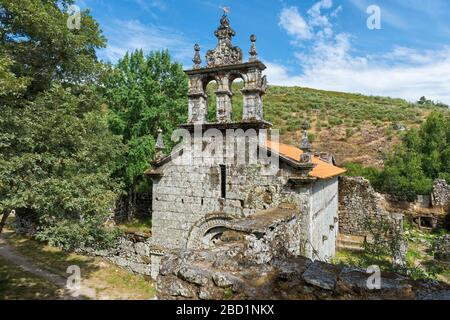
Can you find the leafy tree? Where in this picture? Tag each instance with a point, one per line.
(56, 151)
(144, 94)
(35, 35)
(11, 87)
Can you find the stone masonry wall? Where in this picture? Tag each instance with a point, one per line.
(132, 253)
(358, 201)
(186, 194)
(440, 196)
(324, 219)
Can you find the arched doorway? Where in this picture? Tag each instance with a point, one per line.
(207, 232)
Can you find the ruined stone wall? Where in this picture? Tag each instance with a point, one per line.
(358, 201)
(132, 253)
(263, 264)
(324, 219)
(440, 196)
(230, 272)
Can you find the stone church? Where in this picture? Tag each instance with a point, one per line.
(227, 171)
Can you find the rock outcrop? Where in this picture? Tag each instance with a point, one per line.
(226, 272)
(256, 260)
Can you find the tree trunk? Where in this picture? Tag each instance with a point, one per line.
(131, 204)
(3, 221)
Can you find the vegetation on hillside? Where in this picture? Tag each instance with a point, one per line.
(288, 107)
(411, 168)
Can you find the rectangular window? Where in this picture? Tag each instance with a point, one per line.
(223, 181)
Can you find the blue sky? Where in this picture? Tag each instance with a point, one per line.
(322, 44)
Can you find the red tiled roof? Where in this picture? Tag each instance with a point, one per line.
(322, 170)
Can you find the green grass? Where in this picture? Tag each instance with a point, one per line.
(141, 225)
(419, 257)
(108, 280)
(17, 284)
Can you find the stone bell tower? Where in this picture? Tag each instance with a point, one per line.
(225, 64)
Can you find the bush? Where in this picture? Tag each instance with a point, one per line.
(70, 235)
(356, 170)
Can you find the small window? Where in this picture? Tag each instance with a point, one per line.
(223, 181)
(426, 222)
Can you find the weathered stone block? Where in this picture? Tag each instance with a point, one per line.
(321, 275)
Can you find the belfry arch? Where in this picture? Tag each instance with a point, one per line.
(225, 65)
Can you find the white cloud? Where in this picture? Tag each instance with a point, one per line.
(333, 68)
(294, 24)
(330, 64)
(130, 35)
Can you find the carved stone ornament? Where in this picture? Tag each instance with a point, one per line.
(253, 52)
(225, 53)
(197, 59)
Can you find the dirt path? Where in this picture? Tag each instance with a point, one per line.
(10, 254)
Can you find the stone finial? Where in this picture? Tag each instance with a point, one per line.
(224, 53)
(253, 52)
(159, 147)
(197, 59)
(305, 145)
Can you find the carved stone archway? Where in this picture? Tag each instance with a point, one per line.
(206, 230)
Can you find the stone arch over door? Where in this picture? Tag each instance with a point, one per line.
(206, 230)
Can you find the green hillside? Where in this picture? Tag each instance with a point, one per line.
(354, 127)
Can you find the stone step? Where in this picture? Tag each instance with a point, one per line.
(349, 242)
(350, 248)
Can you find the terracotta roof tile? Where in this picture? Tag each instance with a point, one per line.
(322, 170)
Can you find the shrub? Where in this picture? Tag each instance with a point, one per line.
(356, 170)
(70, 235)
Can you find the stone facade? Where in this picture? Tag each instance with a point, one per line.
(188, 205)
(358, 201)
(440, 196)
